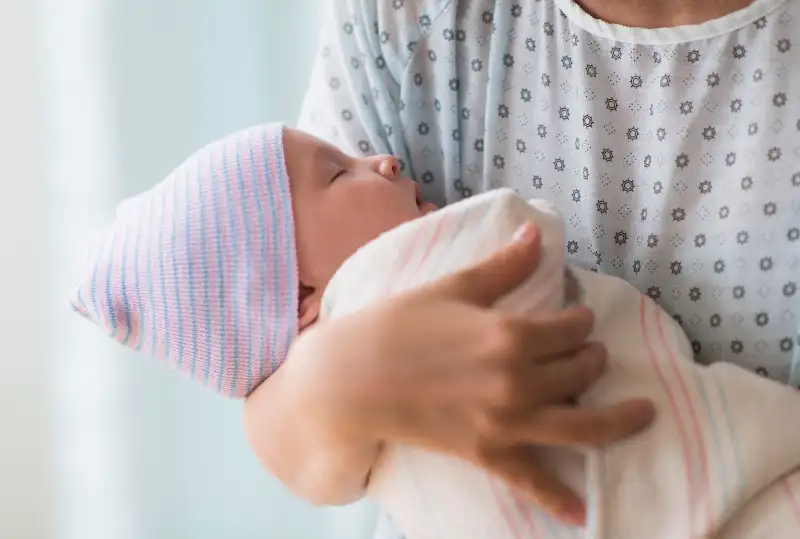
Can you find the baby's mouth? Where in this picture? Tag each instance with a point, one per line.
(423, 206)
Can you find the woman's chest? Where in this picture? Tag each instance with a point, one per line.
(676, 167)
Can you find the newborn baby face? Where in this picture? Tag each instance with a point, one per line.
(340, 203)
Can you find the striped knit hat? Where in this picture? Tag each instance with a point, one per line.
(201, 270)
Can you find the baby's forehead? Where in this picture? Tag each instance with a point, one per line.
(308, 145)
(307, 155)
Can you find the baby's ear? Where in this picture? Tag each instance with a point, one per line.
(310, 305)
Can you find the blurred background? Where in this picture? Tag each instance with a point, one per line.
(100, 99)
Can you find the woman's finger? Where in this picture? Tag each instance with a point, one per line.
(518, 467)
(554, 383)
(567, 377)
(488, 281)
(553, 334)
(587, 427)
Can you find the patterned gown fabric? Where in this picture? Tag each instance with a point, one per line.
(673, 154)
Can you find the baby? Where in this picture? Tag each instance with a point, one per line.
(251, 240)
(218, 267)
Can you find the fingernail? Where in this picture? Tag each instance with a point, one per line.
(575, 515)
(600, 359)
(524, 233)
(648, 409)
(645, 409)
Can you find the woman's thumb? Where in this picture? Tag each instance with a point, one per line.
(488, 281)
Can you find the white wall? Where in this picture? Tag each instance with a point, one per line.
(25, 460)
(98, 100)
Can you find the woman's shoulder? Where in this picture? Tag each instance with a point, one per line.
(401, 24)
(385, 16)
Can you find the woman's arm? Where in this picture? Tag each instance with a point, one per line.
(301, 446)
(291, 423)
(438, 368)
(292, 439)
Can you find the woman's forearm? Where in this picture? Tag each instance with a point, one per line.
(295, 440)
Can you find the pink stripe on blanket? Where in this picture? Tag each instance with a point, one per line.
(695, 420)
(434, 238)
(524, 510)
(673, 403)
(505, 509)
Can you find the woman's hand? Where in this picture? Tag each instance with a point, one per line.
(438, 368)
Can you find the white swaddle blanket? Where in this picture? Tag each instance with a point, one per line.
(720, 460)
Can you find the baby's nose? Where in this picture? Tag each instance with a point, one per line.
(387, 166)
